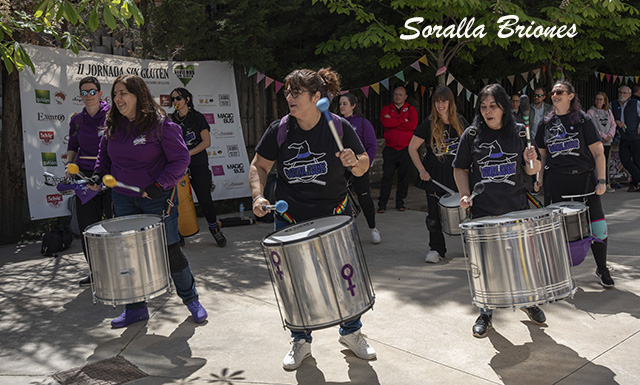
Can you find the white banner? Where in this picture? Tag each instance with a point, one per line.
(50, 97)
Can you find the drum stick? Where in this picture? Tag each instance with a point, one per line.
(323, 106)
(445, 188)
(477, 189)
(525, 108)
(88, 157)
(280, 207)
(75, 170)
(577, 196)
(111, 182)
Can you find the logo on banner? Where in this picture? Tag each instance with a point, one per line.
(215, 152)
(226, 117)
(219, 134)
(46, 137)
(233, 150)
(42, 96)
(49, 159)
(185, 73)
(205, 100)
(232, 185)
(55, 200)
(217, 170)
(77, 100)
(42, 117)
(225, 100)
(211, 118)
(59, 97)
(165, 101)
(238, 168)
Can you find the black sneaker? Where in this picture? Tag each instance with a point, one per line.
(536, 315)
(482, 326)
(85, 282)
(604, 277)
(219, 237)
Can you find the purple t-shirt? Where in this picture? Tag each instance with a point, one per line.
(140, 160)
(85, 132)
(366, 133)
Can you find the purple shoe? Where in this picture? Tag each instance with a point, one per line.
(130, 316)
(197, 311)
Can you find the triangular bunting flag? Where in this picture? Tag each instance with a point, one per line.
(267, 82)
(400, 75)
(601, 76)
(424, 61)
(596, 73)
(385, 83)
(278, 86)
(376, 87)
(416, 66)
(615, 77)
(637, 77)
(475, 100)
(524, 90)
(460, 88)
(627, 79)
(365, 91)
(259, 77)
(485, 81)
(525, 75)
(343, 92)
(511, 78)
(449, 79)
(608, 78)
(620, 78)
(252, 71)
(441, 70)
(532, 83)
(415, 86)
(468, 95)
(422, 90)
(537, 72)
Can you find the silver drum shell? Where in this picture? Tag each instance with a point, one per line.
(451, 214)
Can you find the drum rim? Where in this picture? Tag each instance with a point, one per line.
(274, 243)
(449, 195)
(113, 234)
(467, 225)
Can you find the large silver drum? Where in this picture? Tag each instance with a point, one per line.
(319, 273)
(517, 259)
(128, 258)
(451, 214)
(575, 216)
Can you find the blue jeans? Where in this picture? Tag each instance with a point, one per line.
(180, 271)
(345, 328)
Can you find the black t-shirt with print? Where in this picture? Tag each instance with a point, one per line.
(568, 144)
(192, 127)
(495, 158)
(438, 164)
(310, 176)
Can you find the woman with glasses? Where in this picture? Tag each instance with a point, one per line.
(195, 131)
(85, 131)
(604, 121)
(311, 192)
(350, 110)
(493, 152)
(441, 132)
(574, 160)
(143, 148)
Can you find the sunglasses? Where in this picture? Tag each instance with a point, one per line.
(538, 95)
(178, 98)
(90, 92)
(294, 94)
(559, 92)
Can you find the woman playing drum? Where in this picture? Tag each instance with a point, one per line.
(310, 178)
(441, 131)
(144, 149)
(575, 164)
(492, 152)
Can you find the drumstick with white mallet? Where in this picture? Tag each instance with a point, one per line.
(323, 107)
(111, 182)
(525, 108)
(477, 190)
(280, 207)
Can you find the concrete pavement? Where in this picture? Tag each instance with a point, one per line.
(420, 325)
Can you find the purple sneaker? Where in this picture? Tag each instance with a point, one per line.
(197, 311)
(130, 316)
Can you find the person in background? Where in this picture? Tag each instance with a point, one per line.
(195, 131)
(441, 132)
(85, 131)
(626, 111)
(144, 149)
(399, 119)
(539, 109)
(515, 108)
(350, 110)
(605, 123)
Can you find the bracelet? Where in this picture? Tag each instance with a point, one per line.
(256, 198)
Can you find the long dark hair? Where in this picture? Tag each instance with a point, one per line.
(437, 125)
(502, 100)
(185, 94)
(575, 109)
(149, 114)
(353, 100)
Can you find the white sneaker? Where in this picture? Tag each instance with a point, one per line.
(358, 345)
(433, 257)
(299, 351)
(375, 236)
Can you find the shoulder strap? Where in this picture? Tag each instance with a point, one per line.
(283, 127)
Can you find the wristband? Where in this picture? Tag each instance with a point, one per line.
(256, 198)
(602, 181)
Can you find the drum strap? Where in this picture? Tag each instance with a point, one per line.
(170, 204)
(341, 207)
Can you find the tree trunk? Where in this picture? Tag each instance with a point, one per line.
(258, 121)
(14, 212)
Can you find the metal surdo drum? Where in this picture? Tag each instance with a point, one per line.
(128, 258)
(451, 214)
(518, 259)
(575, 216)
(319, 273)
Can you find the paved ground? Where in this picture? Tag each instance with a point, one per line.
(420, 325)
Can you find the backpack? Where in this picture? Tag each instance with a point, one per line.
(55, 241)
(283, 127)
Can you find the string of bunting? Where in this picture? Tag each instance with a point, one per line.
(616, 78)
(530, 80)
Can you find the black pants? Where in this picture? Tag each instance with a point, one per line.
(201, 183)
(607, 153)
(98, 208)
(363, 191)
(630, 158)
(434, 224)
(394, 160)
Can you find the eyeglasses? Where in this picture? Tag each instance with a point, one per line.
(178, 98)
(538, 95)
(294, 94)
(624, 92)
(90, 92)
(558, 92)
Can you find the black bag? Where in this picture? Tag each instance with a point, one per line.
(55, 241)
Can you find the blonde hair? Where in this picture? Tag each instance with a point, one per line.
(437, 125)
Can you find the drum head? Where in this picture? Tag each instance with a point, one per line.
(569, 207)
(512, 217)
(123, 224)
(450, 200)
(307, 230)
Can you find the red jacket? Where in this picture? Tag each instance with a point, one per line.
(398, 127)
